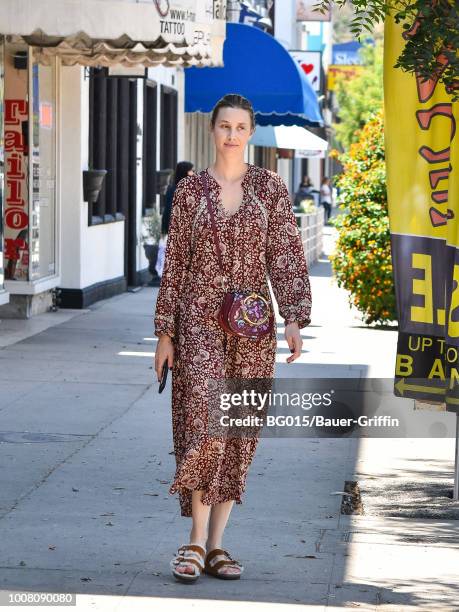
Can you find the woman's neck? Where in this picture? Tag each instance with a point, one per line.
(229, 171)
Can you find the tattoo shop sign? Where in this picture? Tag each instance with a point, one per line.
(152, 31)
(189, 17)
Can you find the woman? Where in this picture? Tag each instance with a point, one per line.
(326, 197)
(306, 182)
(251, 207)
(183, 169)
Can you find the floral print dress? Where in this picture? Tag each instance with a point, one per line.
(260, 239)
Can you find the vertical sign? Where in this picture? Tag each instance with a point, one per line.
(310, 62)
(422, 157)
(16, 169)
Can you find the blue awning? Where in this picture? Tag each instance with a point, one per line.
(258, 67)
(287, 119)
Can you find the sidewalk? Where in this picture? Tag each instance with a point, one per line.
(85, 469)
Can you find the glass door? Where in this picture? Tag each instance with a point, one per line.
(43, 171)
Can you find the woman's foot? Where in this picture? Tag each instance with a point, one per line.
(219, 563)
(188, 563)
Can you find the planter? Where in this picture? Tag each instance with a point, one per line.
(92, 184)
(151, 253)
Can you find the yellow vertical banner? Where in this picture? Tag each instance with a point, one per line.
(422, 161)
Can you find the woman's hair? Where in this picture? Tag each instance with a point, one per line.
(233, 101)
(182, 170)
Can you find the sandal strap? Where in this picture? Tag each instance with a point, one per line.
(192, 550)
(194, 547)
(187, 560)
(223, 562)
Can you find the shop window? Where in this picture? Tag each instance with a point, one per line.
(43, 159)
(168, 152)
(168, 128)
(112, 144)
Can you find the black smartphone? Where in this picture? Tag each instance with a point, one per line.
(162, 384)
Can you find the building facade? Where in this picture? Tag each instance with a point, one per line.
(86, 98)
(284, 21)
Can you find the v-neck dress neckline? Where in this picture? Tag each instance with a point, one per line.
(219, 205)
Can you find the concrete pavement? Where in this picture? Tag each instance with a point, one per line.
(85, 463)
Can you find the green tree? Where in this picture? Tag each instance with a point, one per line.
(360, 97)
(432, 34)
(362, 260)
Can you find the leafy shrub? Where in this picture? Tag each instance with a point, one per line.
(362, 261)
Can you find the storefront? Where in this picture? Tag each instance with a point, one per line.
(69, 107)
(28, 173)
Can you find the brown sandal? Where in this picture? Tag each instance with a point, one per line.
(196, 559)
(213, 570)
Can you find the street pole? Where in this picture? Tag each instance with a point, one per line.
(456, 462)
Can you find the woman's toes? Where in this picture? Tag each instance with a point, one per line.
(185, 569)
(224, 569)
(227, 569)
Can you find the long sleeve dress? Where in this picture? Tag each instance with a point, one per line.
(260, 239)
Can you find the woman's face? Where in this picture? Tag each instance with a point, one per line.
(232, 130)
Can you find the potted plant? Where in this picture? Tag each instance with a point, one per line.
(92, 183)
(150, 242)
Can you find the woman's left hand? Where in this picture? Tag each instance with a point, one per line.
(294, 340)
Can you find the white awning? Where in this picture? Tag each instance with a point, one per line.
(305, 143)
(126, 32)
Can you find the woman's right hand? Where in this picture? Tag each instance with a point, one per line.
(164, 352)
